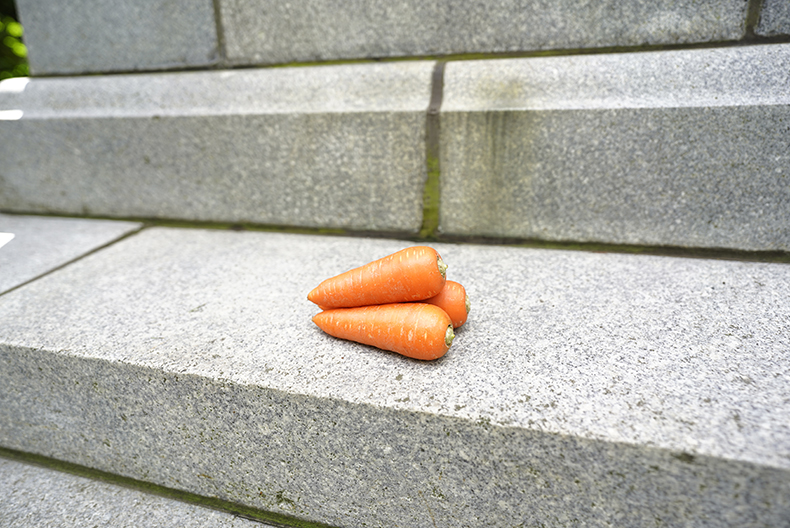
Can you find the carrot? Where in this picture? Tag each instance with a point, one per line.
(416, 330)
(453, 300)
(412, 274)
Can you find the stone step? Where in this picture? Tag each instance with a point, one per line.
(774, 19)
(37, 497)
(96, 37)
(337, 146)
(283, 32)
(37, 245)
(675, 148)
(591, 388)
(134, 35)
(679, 148)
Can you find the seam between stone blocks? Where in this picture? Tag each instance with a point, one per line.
(431, 195)
(754, 9)
(75, 259)
(221, 51)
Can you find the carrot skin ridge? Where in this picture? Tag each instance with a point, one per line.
(416, 330)
(453, 300)
(412, 274)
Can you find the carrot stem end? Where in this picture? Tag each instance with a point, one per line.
(442, 266)
(449, 335)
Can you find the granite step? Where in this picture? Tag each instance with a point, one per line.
(591, 388)
(332, 147)
(133, 35)
(675, 148)
(124, 35)
(774, 19)
(37, 245)
(38, 497)
(285, 33)
(684, 148)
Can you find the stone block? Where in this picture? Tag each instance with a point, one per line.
(606, 388)
(774, 18)
(38, 497)
(41, 244)
(677, 148)
(263, 32)
(84, 36)
(334, 146)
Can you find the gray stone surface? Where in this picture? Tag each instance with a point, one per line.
(680, 148)
(333, 146)
(81, 36)
(281, 32)
(35, 497)
(608, 389)
(41, 244)
(774, 18)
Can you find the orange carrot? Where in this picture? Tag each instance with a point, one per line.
(412, 274)
(453, 300)
(416, 330)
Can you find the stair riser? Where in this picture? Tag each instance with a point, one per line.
(347, 464)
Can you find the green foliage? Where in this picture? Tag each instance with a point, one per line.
(13, 53)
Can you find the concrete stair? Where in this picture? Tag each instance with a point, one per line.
(609, 182)
(44, 244)
(201, 33)
(674, 148)
(38, 497)
(606, 388)
(682, 148)
(339, 146)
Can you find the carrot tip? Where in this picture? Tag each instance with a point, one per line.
(449, 335)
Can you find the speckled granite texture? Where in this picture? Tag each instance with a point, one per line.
(41, 244)
(34, 497)
(682, 148)
(258, 32)
(81, 36)
(334, 146)
(774, 18)
(604, 389)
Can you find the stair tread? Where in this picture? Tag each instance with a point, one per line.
(41, 244)
(36, 497)
(206, 334)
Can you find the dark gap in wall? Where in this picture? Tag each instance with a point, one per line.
(431, 193)
(753, 10)
(222, 58)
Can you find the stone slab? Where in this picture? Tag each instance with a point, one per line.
(334, 146)
(36, 497)
(41, 244)
(84, 36)
(678, 148)
(774, 18)
(606, 388)
(257, 32)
